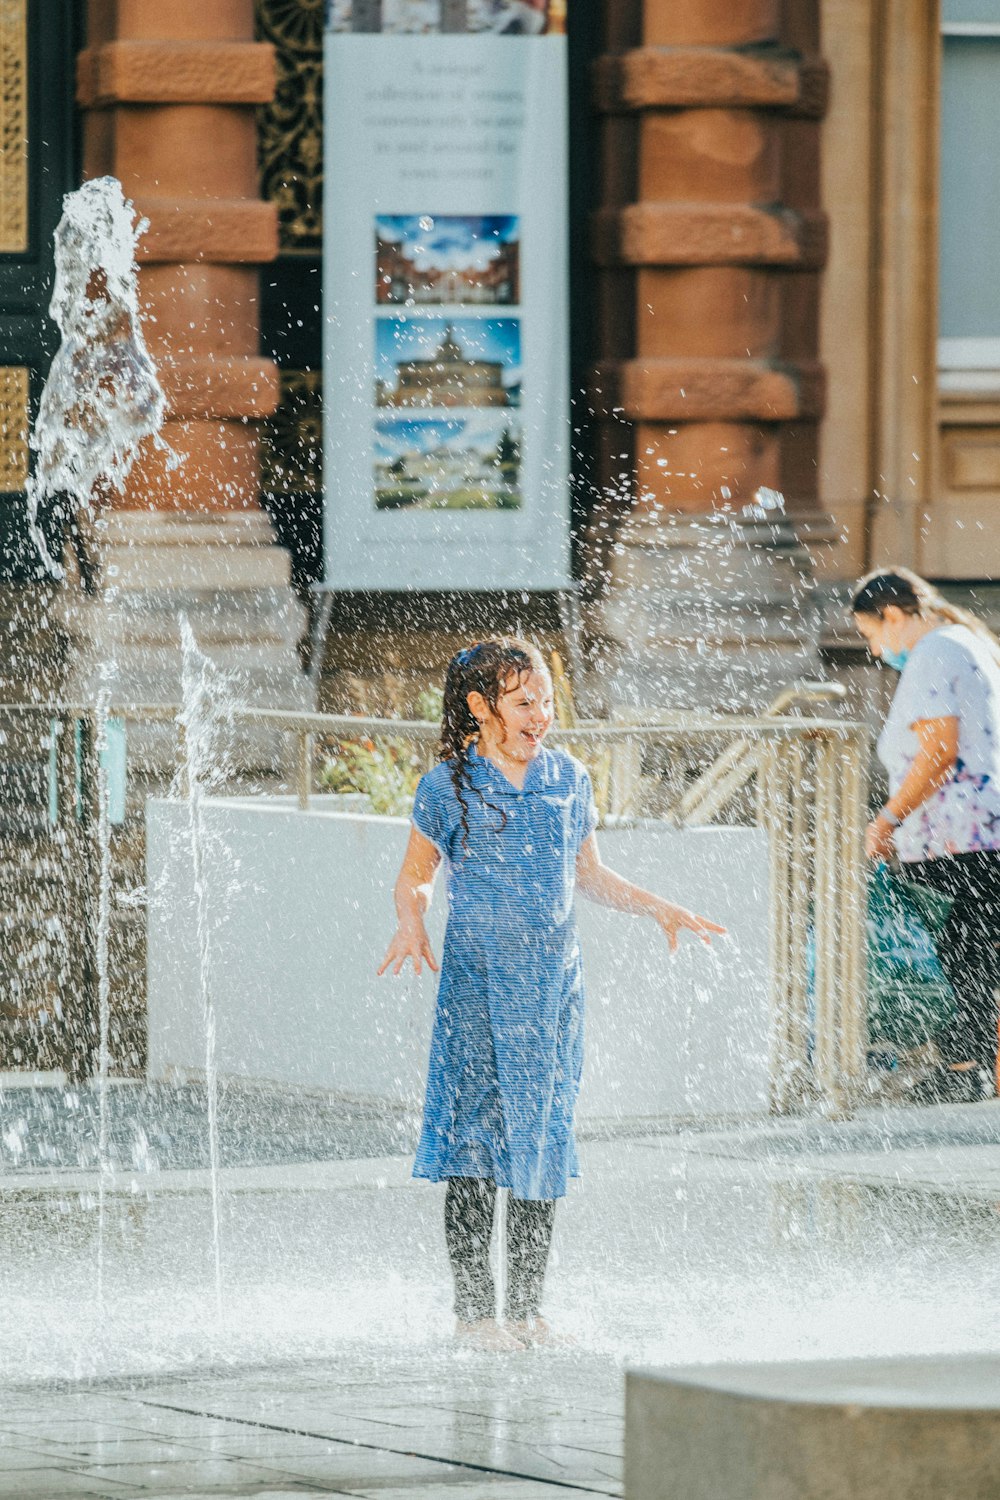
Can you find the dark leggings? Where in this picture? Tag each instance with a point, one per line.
(969, 949)
(469, 1206)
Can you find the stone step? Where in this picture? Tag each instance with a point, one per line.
(21, 860)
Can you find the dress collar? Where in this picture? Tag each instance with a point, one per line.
(486, 772)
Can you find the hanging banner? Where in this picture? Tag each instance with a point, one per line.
(446, 427)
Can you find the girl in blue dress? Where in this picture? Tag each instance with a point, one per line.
(513, 823)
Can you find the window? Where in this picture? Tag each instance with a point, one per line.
(969, 322)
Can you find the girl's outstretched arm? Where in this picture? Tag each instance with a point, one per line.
(414, 888)
(601, 885)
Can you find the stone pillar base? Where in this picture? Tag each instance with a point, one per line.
(139, 573)
(136, 576)
(710, 612)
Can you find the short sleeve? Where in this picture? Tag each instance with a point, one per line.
(934, 682)
(586, 807)
(430, 810)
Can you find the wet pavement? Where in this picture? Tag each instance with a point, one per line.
(324, 1362)
(402, 1432)
(159, 1126)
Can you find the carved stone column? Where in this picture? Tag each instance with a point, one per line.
(169, 93)
(710, 242)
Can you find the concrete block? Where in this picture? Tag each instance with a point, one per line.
(875, 1429)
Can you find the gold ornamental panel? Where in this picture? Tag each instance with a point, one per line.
(290, 128)
(13, 428)
(292, 440)
(13, 126)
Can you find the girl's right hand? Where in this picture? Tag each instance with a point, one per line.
(676, 919)
(409, 943)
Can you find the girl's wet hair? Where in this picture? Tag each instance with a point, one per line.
(486, 668)
(914, 596)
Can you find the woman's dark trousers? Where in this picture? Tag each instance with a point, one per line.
(469, 1207)
(968, 947)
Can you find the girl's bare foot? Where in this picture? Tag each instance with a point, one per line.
(539, 1333)
(488, 1337)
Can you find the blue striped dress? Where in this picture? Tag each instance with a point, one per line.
(507, 1046)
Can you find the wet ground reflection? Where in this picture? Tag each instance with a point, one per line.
(666, 1251)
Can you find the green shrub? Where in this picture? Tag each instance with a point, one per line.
(386, 771)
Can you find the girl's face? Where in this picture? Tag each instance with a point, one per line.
(522, 719)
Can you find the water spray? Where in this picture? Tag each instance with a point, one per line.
(102, 397)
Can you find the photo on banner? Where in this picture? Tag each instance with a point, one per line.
(421, 17)
(459, 259)
(457, 460)
(422, 361)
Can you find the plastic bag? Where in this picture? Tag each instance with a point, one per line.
(909, 998)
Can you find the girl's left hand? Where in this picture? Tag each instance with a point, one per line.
(674, 920)
(878, 839)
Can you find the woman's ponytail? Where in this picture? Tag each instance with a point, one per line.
(953, 615)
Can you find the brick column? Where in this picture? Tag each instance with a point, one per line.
(710, 242)
(169, 90)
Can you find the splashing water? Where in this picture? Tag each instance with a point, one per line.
(199, 719)
(768, 505)
(100, 401)
(103, 989)
(102, 397)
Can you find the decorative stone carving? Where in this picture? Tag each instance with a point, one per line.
(230, 230)
(675, 77)
(707, 390)
(292, 439)
(706, 234)
(131, 72)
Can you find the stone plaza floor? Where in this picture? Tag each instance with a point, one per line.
(321, 1361)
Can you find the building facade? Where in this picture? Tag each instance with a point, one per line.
(782, 227)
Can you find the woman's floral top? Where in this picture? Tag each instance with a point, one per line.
(951, 673)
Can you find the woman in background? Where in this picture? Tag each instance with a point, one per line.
(941, 749)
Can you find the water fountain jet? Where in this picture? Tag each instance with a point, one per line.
(102, 398)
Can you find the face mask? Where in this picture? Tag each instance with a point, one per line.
(895, 659)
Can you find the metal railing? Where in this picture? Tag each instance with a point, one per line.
(740, 761)
(803, 780)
